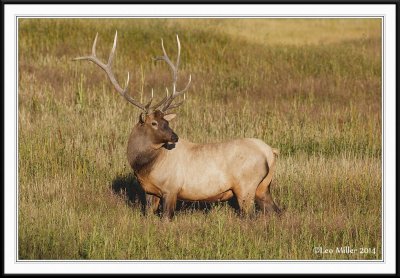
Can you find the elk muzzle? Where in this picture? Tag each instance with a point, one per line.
(174, 137)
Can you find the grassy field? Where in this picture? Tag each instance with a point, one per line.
(311, 88)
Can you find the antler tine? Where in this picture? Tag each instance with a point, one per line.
(187, 86)
(147, 106)
(173, 106)
(93, 52)
(168, 60)
(179, 55)
(126, 83)
(175, 93)
(167, 105)
(111, 57)
(94, 45)
(109, 72)
(159, 103)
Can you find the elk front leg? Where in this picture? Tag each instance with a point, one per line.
(246, 207)
(152, 203)
(169, 204)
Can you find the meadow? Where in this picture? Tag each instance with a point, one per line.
(308, 87)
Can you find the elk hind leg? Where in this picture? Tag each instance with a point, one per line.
(264, 197)
(267, 204)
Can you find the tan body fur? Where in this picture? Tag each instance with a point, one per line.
(204, 172)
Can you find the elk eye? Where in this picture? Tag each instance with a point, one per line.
(153, 123)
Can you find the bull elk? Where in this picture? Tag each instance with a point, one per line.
(170, 168)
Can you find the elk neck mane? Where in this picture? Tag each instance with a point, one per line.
(142, 154)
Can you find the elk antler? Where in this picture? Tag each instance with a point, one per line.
(169, 99)
(107, 68)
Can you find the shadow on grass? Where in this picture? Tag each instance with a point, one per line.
(129, 188)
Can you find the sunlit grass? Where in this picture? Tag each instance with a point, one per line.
(319, 103)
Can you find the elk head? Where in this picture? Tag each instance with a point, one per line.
(154, 118)
(156, 128)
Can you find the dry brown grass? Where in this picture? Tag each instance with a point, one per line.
(319, 103)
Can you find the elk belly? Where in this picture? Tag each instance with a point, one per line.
(220, 197)
(208, 187)
(224, 196)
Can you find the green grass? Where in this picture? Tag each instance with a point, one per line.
(315, 97)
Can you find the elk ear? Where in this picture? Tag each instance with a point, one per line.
(169, 117)
(142, 118)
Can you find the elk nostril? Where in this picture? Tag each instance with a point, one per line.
(175, 138)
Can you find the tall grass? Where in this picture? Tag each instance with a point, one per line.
(319, 103)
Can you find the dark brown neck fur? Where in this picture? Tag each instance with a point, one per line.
(141, 153)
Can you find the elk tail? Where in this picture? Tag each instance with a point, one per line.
(263, 191)
(275, 151)
(265, 183)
